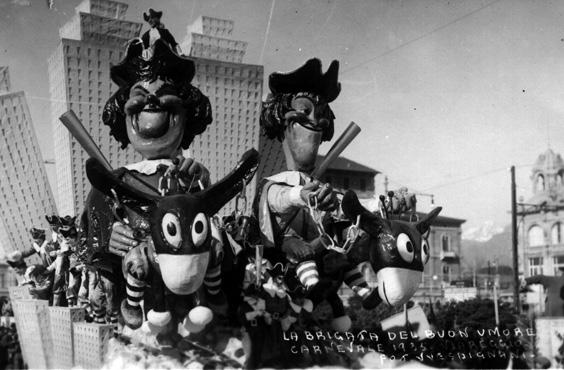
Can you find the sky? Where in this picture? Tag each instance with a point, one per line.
(448, 94)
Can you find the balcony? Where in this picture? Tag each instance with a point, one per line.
(449, 257)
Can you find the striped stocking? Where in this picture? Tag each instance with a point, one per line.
(135, 289)
(307, 273)
(212, 280)
(355, 280)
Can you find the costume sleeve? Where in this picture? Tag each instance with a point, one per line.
(539, 279)
(284, 199)
(167, 36)
(28, 252)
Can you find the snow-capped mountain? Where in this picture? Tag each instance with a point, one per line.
(481, 233)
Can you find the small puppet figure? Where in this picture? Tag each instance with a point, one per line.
(158, 111)
(61, 253)
(42, 282)
(45, 249)
(16, 261)
(157, 32)
(291, 206)
(72, 246)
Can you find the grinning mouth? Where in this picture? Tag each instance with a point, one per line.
(152, 122)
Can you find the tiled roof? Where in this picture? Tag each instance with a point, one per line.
(344, 164)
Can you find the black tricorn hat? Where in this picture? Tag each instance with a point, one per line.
(163, 63)
(308, 78)
(277, 270)
(67, 221)
(53, 220)
(152, 13)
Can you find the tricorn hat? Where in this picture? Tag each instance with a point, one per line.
(37, 233)
(163, 63)
(152, 13)
(53, 220)
(67, 221)
(308, 78)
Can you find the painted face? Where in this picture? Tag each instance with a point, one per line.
(180, 228)
(397, 250)
(156, 117)
(304, 131)
(179, 224)
(398, 258)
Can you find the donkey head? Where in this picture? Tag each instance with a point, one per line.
(179, 224)
(397, 250)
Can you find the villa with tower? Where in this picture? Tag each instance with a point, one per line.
(542, 218)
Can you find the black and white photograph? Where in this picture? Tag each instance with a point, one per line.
(281, 184)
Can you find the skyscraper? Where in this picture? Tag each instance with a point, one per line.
(79, 79)
(235, 92)
(25, 194)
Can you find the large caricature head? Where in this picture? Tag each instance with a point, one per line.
(297, 111)
(397, 250)
(179, 224)
(156, 108)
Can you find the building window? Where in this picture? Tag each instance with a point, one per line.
(539, 186)
(535, 266)
(557, 262)
(362, 184)
(346, 183)
(556, 233)
(536, 236)
(446, 273)
(445, 243)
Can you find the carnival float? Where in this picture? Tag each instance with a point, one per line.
(150, 272)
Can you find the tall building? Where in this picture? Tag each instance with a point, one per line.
(235, 91)
(542, 218)
(79, 79)
(25, 194)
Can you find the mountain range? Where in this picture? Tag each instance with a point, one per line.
(479, 251)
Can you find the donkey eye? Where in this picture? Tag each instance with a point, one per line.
(199, 229)
(170, 226)
(405, 247)
(424, 251)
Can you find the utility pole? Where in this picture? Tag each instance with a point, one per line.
(385, 184)
(514, 239)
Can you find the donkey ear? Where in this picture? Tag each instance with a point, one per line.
(107, 183)
(352, 208)
(425, 224)
(351, 205)
(225, 189)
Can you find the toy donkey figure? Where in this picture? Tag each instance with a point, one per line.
(174, 259)
(396, 250)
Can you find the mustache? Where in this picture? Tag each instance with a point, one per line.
(137, 103)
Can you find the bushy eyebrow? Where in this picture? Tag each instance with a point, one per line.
(165, 88)
(141, 88)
